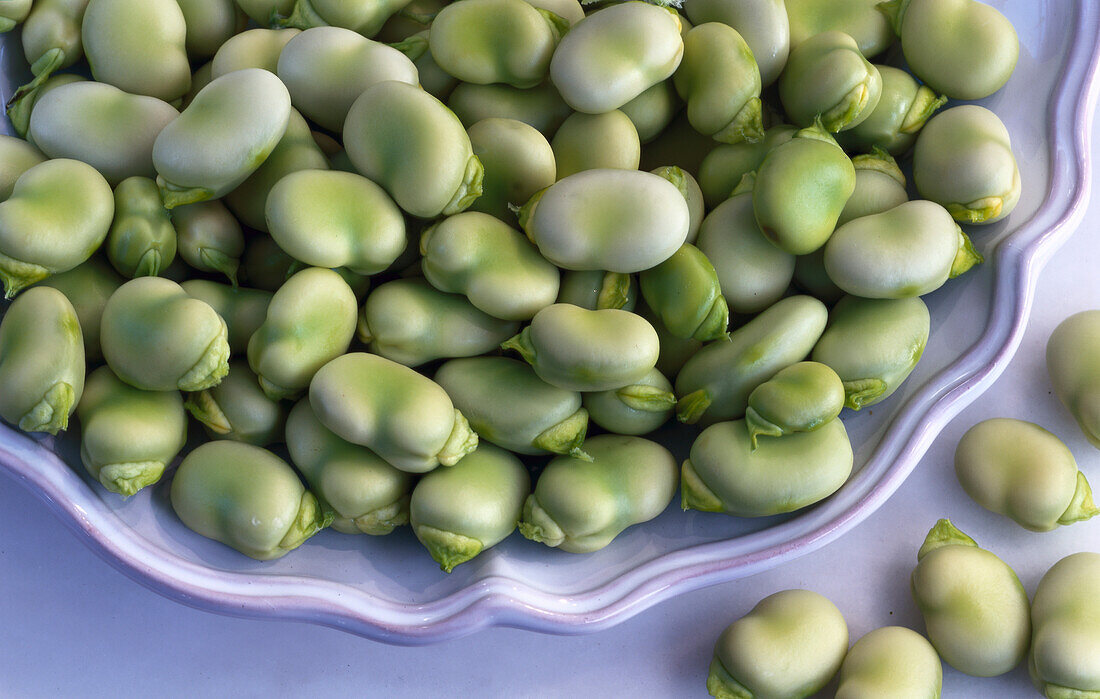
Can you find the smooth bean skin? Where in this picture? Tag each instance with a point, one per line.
(653, 110)
(261, 11)
(827, 78)
(68, 205)
(88, 286)
(541, 106)
(975, 610)
(801, 189)
(902, 110)
(724, 473)
(367, 495)
(310, 321)
(764, 25)
(138, 46)
(860, 19)
(684, 293)
(518, 162)
(715, 383)
(495, 41)
(789, 645)
(490, 263)
(938, 36)
(636, 409)
(16, 157)
(880, 186)
(724, 167)
(581, 506)
(209, 238)
(799, 398)
(157, 338)
(873, 345)
(365, 18)
(412, 322)
(460, 511)
(328, 218)
(633, 221)
(51, 39)
(692, 193)
(509, 405)
(225, 134)
(238, 409)
(1074, 371)
(408, 142)
(404, 417)
(210, 23)
(1065, 646)
(101, 125)
(675, 351)
(594, 141)
(13, 13)
(41, 361)
(128, 436)
(720, 81)
(141, 241)
(910, 250)
(243, 309)
(596, 290)
(327, 68)
(582, 350)
(255, 48)
(615, 54)
(891, 662)
(963, 160)
(246, 498)
(297, 150)
(1018, 469)
(753, 274)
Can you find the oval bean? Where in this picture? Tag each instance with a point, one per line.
(684, 293)
(16, 157)
(653, 110)
(210, 239)
(141, 241)
(764, 25)
(891, 662)
(637, 409)
(594, 141)
(238, 409)
(720, 81)
(88, 286)
(597, 290)
(138, 46)
(1065, 646)
(255, 48)
(860, 19)
(724, 167)
(541, 106)
(828, 79)
(1074, 372)
(518, 162)
(799, 398)
(210, 23)
(880, 186)
(901, 113)
(242, 309)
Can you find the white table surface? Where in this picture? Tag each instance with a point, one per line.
(71, 625)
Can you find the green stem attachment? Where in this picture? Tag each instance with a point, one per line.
(461, 442)
(385, 519)
(448, 549)
(715, 326)
(521, 343)
(694, 494)
(860, 392)
(212, 367)
(721, 684)
(895, 13)
(944, 533)
(566, 437)
(1082, 506)
(174, 195)
(967, 257)
(614, 291)
(747, 126)
(413, 47)
(759, 426)
(879, 161)
(128, 478)
(925, 104)
(206, 410)
(220, 262)
(537, 525)
(311, 519)
(692, 406)
(469, 190)
(648, 399)
(51, 414)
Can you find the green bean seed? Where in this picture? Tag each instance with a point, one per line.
(141, 241)
(799, 398)
(901, 113)
(138, 46)
(592, 141)
(891, 662)
(828, 79)
(684, 292)
(764, 26)
(255, 48)
(210, 23)
(518, 162)
(1074, 372)
(244, 310)
(880, 186)
(365, 18)
(209, 238)
(238, 409)
(636, 409)
(596, 290)
(724, 167)
(860, 19)
(16, 157)
(1065, 646)
(720, 82)
(88, 286)
(653, 110)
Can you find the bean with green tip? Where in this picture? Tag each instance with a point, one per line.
(128, 436)
(724, 167)
(799, 398)
(141, 241)
(582, 350)
(404, 417)
(138, 46)
(68, 205)
(963, 160)
(715, 383)
(238, 409)
(789, 645)
(366, 494)
(509, 405)
(637, 409)
(1065, 647)
(764, 25)
(310, 321)
(828, 79)
(412, 322)
(593, 141)
(157, 338)
(518, 162)
(902, 110)
(975, 609)
(880, 186)
(414, 147)
(226, 133)
(209, 238)
(1020, 470)
(684, 292)
(459, 512)
(581, 506)
(243, 310)
(1074, 371)
(720, 81)
(597, 290)
(247, 498)
(41, 361)
(101, 125)
(873, 345)
(724, 473)
(13, 13)
(693, 195)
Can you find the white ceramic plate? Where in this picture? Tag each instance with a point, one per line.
(387, 588)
